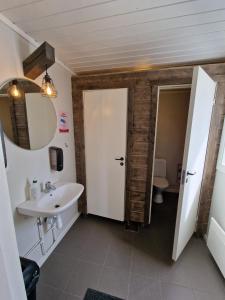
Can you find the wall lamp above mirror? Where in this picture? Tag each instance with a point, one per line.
(38, 62)
(28, 119)
(48, 89)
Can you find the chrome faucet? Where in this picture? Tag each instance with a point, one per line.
(49, 187)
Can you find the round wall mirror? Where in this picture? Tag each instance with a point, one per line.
(28, 119)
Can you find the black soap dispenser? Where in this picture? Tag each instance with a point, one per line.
(56, 158)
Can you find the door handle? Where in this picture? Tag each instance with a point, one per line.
(191, 173)
(121, 158)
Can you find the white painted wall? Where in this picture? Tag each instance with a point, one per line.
(24, 165)
(171, 131)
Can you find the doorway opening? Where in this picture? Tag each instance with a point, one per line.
(170, 132)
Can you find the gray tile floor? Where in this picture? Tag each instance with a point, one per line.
(100, 254)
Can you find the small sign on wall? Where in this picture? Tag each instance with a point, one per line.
(63, 122)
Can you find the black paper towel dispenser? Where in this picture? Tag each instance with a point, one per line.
(56, 158)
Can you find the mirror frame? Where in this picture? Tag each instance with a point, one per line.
(5, 135)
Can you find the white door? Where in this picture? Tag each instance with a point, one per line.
(105, 127)
(199, 117)
(11, 280)
(216, 228)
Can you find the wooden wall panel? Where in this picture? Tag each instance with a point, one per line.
(20, 123)
(142, 107)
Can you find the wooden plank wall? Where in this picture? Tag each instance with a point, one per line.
(141, 132)
(20, 123)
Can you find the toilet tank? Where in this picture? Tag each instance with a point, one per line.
(160, 167)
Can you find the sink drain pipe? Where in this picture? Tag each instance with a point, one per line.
(41, 235)
(55, 222)
(58, 221)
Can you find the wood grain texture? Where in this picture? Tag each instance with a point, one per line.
(141, 131)
(36, 63)
(20, 123)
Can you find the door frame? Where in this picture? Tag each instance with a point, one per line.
(126, 212)
(158, 89)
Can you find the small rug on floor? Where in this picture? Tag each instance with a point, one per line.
(95, 295)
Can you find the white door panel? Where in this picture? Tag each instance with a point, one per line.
(199, 117)
(11, 279)
(216, 244)
(105, 126)
(216, 228)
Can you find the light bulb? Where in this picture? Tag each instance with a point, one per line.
(14, 90)
(49, 90)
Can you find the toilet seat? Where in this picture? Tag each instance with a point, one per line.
(160, 182)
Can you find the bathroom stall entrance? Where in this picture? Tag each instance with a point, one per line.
(181, 139)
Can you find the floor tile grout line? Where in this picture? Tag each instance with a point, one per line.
(54, 288)
(103, 265)
(67, 283)
(107, 253)
(194, 295)
(89, 262)
(187, 287)
(146, 276)
(160, 288)
(71, 294)
(130, 272)
(83, 260)
(49, 285)
(213, 294)
(177, 284)
(59, 290)
(184, 286)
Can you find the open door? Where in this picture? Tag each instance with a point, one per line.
(198, 125)
(11, 277)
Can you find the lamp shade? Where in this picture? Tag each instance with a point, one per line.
(48, 89)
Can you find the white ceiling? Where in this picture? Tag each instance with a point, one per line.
(103, 34)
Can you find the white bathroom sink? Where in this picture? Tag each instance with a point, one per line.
(54, 202)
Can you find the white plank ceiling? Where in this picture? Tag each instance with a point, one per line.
(93, 35)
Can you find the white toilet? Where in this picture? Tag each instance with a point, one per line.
(160, 181)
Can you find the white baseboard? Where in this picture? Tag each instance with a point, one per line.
(59, 238)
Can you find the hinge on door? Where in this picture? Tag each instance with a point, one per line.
(183, 175)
